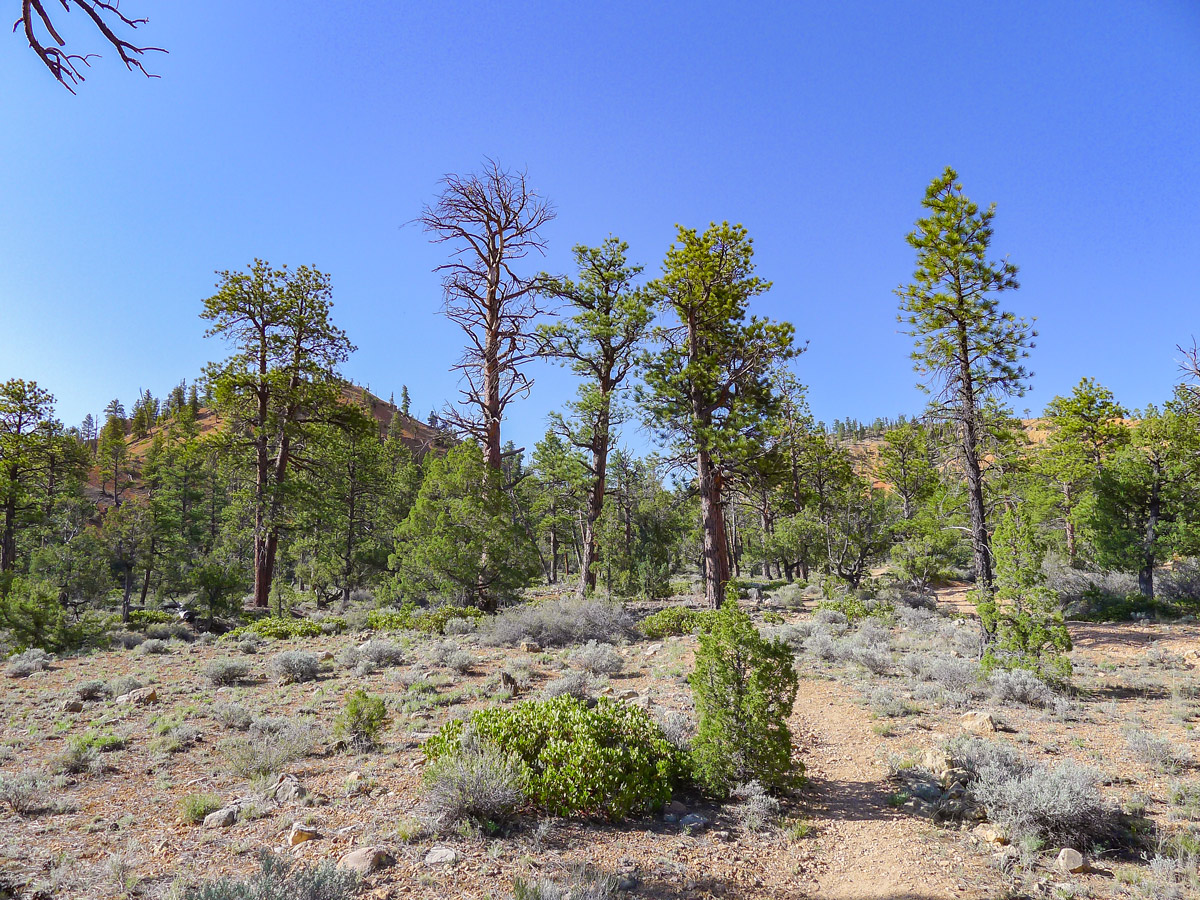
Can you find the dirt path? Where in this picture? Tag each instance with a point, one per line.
(868, 849)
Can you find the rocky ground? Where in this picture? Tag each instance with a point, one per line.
(881, 816)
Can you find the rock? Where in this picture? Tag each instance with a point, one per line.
(671, 818)
(72, 706)
(978, 723)
(926, 790)
(951, 777)
(327, 656)
(366, 860)
(288, 788)
(627, 882)
(1070, 860)
(722, 835)
(222, 818)
(754, 594)
(627, 695)
(680, 809)
(937, 760)
(139, 697)
(695, 821)
(530, 647)
(441, 856)
(956, 790)
(990, 834)
(1006, 859)
(652, 649)
(301, 833)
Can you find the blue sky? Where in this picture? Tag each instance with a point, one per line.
(310, 132)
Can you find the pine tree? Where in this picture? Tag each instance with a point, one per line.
(404, 401)
(968, 350)
(707, 389)
(600, 343)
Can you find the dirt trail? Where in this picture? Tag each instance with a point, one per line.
(869, 851)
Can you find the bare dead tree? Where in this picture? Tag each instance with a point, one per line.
(105, 15)
(491, 221)
(1190, 366)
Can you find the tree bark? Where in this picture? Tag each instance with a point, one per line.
(1146, 573)
(716, 555)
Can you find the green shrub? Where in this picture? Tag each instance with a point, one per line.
(674, 620)
(362, 721)
(226, 671)
(744, 688)
(855, 608)
(35, 617)
(611, 759)
(408, 617)
(278, 628)
(194, 807)
(140, 618)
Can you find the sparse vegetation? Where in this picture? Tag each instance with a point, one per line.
(295, 665)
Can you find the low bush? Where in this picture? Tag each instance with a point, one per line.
(295, 665)
(179, 631)
(93, 689)
(573, 684)
(673, 620)
(856, 608)
(154, 646)
(25, 664)
(377, 653)
(126, 640)
(82, 753)
(1156, 752)
(1062, 804)
(1020, 686)
(598, 659)
(611, 759)
(362, 721)
(194, 807)
(175, 738)
(477, 783)
(28, 793)
(581, 885)
(140, 618)
(821, 645)
(248, 646)
(756, 810)
(281, 879)
(269, 746)
(559, 623)
(407, 617)
(122, 685)
(461, 661)
(743, 687)
(277, 628)
(233, 716)
(226, 671)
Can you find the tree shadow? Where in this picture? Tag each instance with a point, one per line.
(851, 801)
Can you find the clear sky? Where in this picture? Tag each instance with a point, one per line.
(310, 132)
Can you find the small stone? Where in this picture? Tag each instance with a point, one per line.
(694, 821)
(951, 777)
(288, 788)
(139, 697)
(927, 791)
(990, 834)
(671, 818)
(441, 856)
(1070, 860)
(652, 649)
(366, 860)
(978, 723)
(530, 647)
(222, 818)
(72, 706)
(936, 760)
(301, 833)
(680, 809)
(722, 835)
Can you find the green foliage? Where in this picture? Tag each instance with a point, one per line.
(674, 620)
(611, 760)
(459, 541)
(278, 628)
(140, 618)
(362, 720)
(408, 617)
(744, 688)
(194, 807)
(1024, 615)
(34, 616)
(855, 608)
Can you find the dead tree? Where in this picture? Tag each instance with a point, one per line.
(491, 221)
(65, 66)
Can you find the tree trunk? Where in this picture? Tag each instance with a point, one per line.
(8, 545)
(1146, 574)
(595, 507)
(969, 439)
(712, 519)
(1068, 525)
